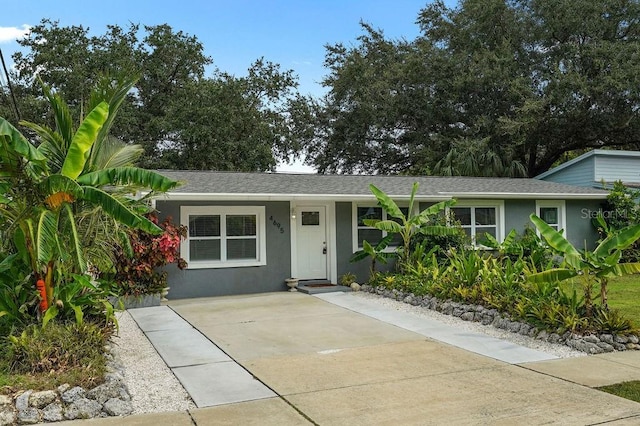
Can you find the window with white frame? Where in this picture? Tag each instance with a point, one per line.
(372, 235)
(552, 212)
(222, 237)
(478, 219)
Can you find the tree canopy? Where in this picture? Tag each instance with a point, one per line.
(491, 87)
(182, 118)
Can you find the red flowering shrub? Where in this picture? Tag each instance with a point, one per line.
(141, 274)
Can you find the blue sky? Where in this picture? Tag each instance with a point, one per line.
(234, 33)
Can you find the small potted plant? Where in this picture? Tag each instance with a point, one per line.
(292, 283)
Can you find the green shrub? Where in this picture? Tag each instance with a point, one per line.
(138, 269)
(80, 298)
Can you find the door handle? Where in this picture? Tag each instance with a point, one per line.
(324, 248)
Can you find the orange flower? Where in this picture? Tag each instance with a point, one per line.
(55, 200)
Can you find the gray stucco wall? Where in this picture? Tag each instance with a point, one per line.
(344, 246)
(516, 215)
(580, 230)
(225, 281)
(578, 227)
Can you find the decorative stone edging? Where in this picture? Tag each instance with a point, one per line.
(111, 398)
(591, 344)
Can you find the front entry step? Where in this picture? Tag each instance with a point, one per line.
(320, 286)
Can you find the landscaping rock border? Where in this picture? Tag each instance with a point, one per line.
(590, 344)
(111, 398)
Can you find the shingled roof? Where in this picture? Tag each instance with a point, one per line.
(205, 184)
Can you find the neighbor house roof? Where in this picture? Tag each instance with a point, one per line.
(280, 186)
(598, 166)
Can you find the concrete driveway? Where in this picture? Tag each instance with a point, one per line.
(293, 359)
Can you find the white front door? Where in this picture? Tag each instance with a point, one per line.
(311, 239)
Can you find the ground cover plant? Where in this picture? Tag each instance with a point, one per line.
(543, 281)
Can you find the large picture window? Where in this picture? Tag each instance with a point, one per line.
(479, 219)
(373, 235)
(224, 236)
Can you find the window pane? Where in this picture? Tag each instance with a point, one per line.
(482, 230)
(245, 248)
(485, 216)
(204, 226)
(310, 218)
(241, 225)
(549, 215)
(368, 213)
(204, 250)
(462, 214)
(373, 236)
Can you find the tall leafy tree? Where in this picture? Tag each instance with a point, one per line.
(234, 123)
(520, 81)
(181, 118)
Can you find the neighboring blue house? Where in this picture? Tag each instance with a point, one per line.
(248, 232)
(596, 167)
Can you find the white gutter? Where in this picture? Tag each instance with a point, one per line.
(194, 196)
(516, 195)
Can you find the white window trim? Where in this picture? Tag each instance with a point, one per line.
(500, 216)
(261, 250)
(354, 223)
(562, 212)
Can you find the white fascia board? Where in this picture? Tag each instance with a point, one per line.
(514, 195)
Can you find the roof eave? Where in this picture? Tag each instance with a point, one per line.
(203, 196)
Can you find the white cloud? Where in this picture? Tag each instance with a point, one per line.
(8, 34)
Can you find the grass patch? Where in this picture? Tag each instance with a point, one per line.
(624, 295)
(44, 358)
(628, 390)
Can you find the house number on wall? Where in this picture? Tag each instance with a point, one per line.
(277, 224)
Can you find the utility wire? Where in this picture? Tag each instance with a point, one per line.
(13, 96)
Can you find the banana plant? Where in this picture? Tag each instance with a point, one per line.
(45, 189)
(592, 267)
(377, 253)
(408, 225)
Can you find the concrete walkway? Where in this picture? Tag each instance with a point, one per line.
(335, 359)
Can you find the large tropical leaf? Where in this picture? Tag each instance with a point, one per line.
(113, 153)
(62, 116)
(558, 242)
(387, 203)
(75, 239)
(432, 210)
(623, 269)
(15, 141)
(83, 140)
(116, 209)
(128, 176)
(46, 237)
(112, 91)
(384, 225)
(552, 275)
(620, 240)
(52, 146)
